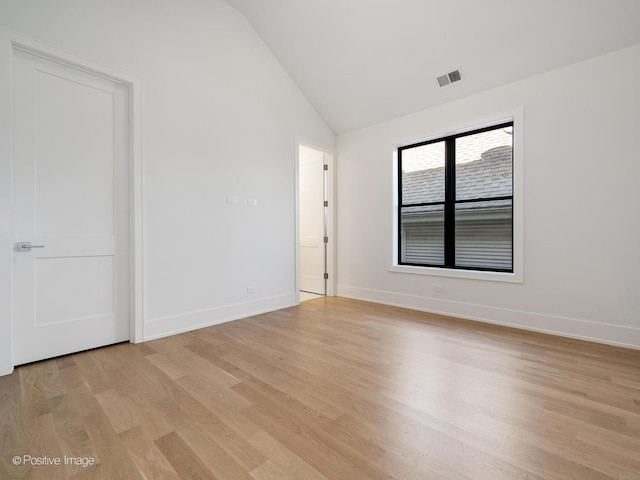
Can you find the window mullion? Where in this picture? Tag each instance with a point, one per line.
(450, 206)
(400, 201)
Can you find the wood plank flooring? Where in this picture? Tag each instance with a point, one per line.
(331, 389)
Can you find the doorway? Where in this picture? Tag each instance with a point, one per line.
(313, 221)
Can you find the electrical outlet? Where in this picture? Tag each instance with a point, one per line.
(252, 202)
(251, 290)
(438, 288)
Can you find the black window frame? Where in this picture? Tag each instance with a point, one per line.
(450, 200)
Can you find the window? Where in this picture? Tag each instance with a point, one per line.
(456, 201)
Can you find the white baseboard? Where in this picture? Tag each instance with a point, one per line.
(563, 326)
(185, 322)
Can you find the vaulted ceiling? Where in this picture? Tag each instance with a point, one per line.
(362, 62)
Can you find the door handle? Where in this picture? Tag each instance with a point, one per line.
(26, 246)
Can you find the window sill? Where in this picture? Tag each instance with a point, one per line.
(468, 274)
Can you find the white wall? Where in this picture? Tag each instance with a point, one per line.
(581, 198)
(220, 118)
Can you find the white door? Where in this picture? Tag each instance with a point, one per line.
(312, 220)
(71, 199)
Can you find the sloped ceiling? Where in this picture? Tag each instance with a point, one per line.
(362, 62)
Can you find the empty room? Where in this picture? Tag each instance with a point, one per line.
(319, 239)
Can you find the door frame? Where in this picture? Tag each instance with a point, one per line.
(331, 226)
(9, 42)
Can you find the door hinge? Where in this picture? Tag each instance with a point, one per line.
(326, 203)
(326, 239)
(326, 167)
(326, 276)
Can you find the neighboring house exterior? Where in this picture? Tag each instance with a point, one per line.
(483, 229)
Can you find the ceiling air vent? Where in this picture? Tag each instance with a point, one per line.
(450, 77)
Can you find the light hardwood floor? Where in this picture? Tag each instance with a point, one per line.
(332, 389)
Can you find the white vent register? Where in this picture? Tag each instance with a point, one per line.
(449, 78)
